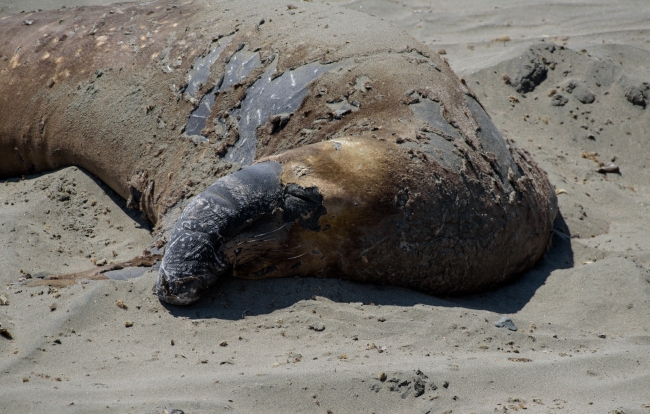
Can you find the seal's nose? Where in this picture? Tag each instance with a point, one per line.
(164, 290)
(178, 291)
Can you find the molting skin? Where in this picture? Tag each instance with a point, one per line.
(339, 145)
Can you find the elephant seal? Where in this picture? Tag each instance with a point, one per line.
(340, 146)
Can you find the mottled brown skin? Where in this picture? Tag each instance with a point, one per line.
(102, 88)
(450, 236)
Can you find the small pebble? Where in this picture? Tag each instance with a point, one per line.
(317, 326)
(382, 376)
(608, 168)
(506, 322)
(559, 100)
(223, 343)
(128, 324)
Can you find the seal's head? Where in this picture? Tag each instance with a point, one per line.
(194, 259)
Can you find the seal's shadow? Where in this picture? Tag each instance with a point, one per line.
(235, 298)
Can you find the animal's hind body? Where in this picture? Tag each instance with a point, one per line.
(372, 161)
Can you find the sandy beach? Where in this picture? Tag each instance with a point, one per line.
(580, 339)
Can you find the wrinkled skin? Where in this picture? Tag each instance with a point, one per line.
(339, 145)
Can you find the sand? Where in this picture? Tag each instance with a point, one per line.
(582, 343)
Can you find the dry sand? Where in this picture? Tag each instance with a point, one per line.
(315, 345)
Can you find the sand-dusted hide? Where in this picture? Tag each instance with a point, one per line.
(384, 167)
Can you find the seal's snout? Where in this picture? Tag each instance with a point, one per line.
(181, 290)
(191, 264)
(167, 292)
(194, 260)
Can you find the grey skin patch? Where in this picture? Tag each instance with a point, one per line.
(201, 70)
(268, 97)
(440, 149)
(239, 66)
(265, 98)
(492, 141)
(196, 121)
(439, 145)
(431, 112)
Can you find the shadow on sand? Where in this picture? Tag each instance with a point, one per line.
(235, 298)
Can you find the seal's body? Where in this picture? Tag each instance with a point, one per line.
(341, 146)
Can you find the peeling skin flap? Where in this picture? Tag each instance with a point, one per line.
(268, 97)
(240, 65)
(201, 70)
